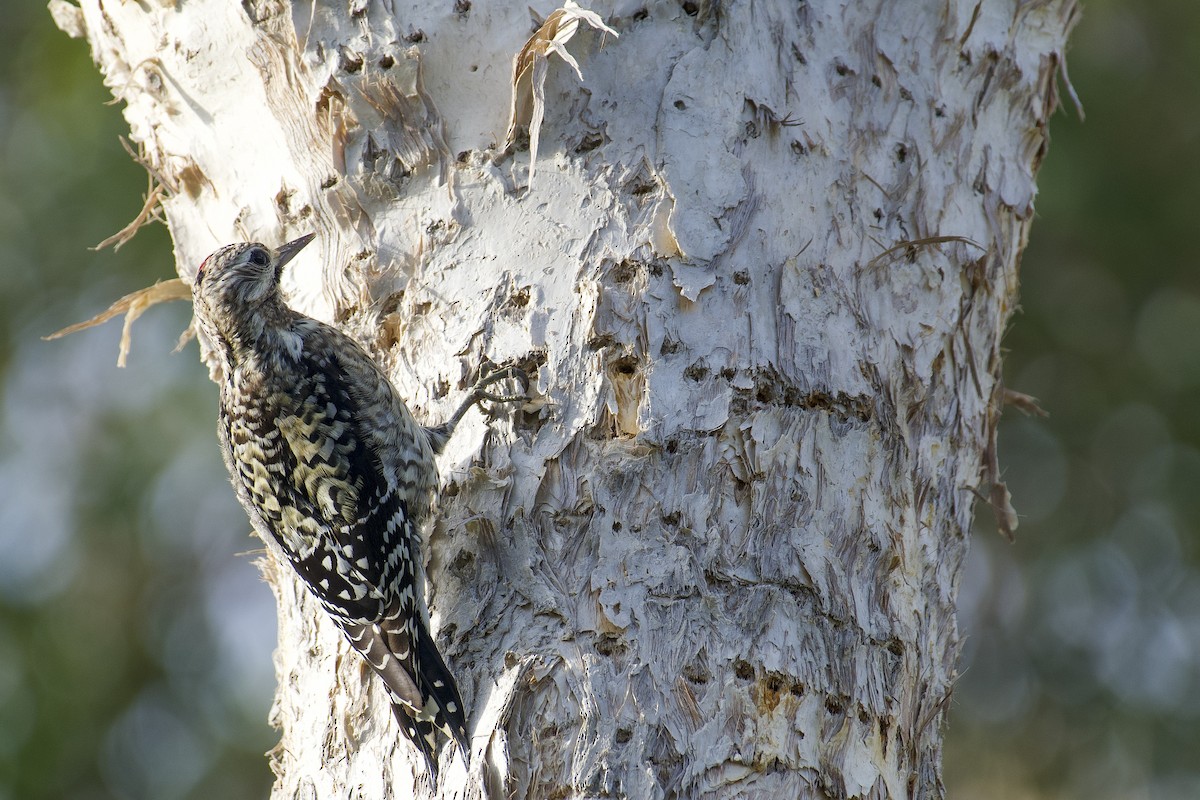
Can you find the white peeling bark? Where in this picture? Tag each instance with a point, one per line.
(722, 559)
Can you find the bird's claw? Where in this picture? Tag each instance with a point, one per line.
(504, 373)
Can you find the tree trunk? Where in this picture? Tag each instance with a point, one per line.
(760, 279)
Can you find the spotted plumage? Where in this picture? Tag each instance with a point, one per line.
(335, 474)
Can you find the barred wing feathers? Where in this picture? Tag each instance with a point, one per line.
(313, 478)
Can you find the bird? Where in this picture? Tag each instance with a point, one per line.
(336, 475)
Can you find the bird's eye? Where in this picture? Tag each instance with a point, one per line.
(259, 257)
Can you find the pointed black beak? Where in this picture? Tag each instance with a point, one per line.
(288, 251)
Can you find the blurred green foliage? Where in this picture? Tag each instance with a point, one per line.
(1081, 668)
(134, 640)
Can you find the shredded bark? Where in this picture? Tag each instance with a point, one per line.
(531, 65)
(132, 305)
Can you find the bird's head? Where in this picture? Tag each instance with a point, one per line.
(243, 275)
(238, 285)
(240, 280)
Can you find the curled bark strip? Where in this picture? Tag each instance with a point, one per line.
(132, 305)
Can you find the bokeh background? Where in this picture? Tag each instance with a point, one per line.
(136, 635)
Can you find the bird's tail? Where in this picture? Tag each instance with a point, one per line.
(424, 696)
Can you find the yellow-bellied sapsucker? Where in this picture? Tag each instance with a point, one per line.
(335, 473)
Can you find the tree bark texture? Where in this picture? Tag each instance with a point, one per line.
(760, 279)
